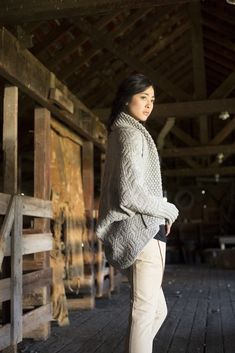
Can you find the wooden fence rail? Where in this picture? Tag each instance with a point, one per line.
(14, 243)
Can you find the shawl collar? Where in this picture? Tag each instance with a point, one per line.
(124, 119)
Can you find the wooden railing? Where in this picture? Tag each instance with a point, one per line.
(14, 243)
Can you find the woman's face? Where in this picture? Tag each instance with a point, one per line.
(141, 104)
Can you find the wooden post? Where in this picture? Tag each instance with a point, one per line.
(88, 191)
(10, 154)
(101, 262)
(16, 275)
(42, 190)
(100, 251)
(10, 139)
(199, 64)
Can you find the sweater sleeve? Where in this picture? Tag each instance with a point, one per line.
(134, 197)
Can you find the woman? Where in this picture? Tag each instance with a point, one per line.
(134, 218)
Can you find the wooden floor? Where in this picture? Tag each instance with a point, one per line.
(201, 318)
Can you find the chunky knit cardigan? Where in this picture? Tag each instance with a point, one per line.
(131, 205)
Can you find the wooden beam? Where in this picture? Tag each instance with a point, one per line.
(199, 73)
(21, 11)
(183, 136)
(6, 229)
(31, 206)
(101, 64)
(165, 40)
(5, 337)
(75, 44)
(225, 55)
(216, 26)
(60, 98)
(88, 190)
(35, 318)
(35, 207)
(216, 57)
(198, 50)
(10, 170)
(22, 69)
(220, 11)
(186, 139)
(197, 151)
(107, 40)
(30, 322)
(169, 124)
(222, 134)
(42, 189)
(33, 243)
(186, 109)
(225, 88)
(223, 41)
(54, 35)
(42, 157)
(10, 139)
(187, 172)
(16, 274)
(119, 29)
(31, 281)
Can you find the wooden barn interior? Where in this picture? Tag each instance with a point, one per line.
(60, 65)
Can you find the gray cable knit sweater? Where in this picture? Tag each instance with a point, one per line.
(131, 205)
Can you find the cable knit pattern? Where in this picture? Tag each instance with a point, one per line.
(131, 205)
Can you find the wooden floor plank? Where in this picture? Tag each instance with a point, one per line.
(201, 318)
(196, 342)
(214, 338)
(227, 314)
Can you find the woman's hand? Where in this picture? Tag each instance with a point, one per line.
(168, 228)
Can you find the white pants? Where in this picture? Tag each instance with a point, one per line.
(148, 305)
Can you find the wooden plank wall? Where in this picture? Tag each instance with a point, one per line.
(74, 259)
(14, 287)
(12, 248)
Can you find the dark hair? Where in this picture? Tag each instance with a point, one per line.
(133, 84)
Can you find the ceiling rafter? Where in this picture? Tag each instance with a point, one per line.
(225, 88)
(220, 60)
(181, 78)
(176, 71)
(155, 30)
(19, 11)
(99, 63)
(184, 137)
(187, 160)
(188, 172)
(40, 48)
(219, 39)
(179, 59)
(76, 43)
(74, 66)
(188, 109)
(131, 20)
(217, 27)
(219, 13)
(108, 41)
(222, 134)
(162, 43)
(221, 51)
(172, 48)
(197, 150)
